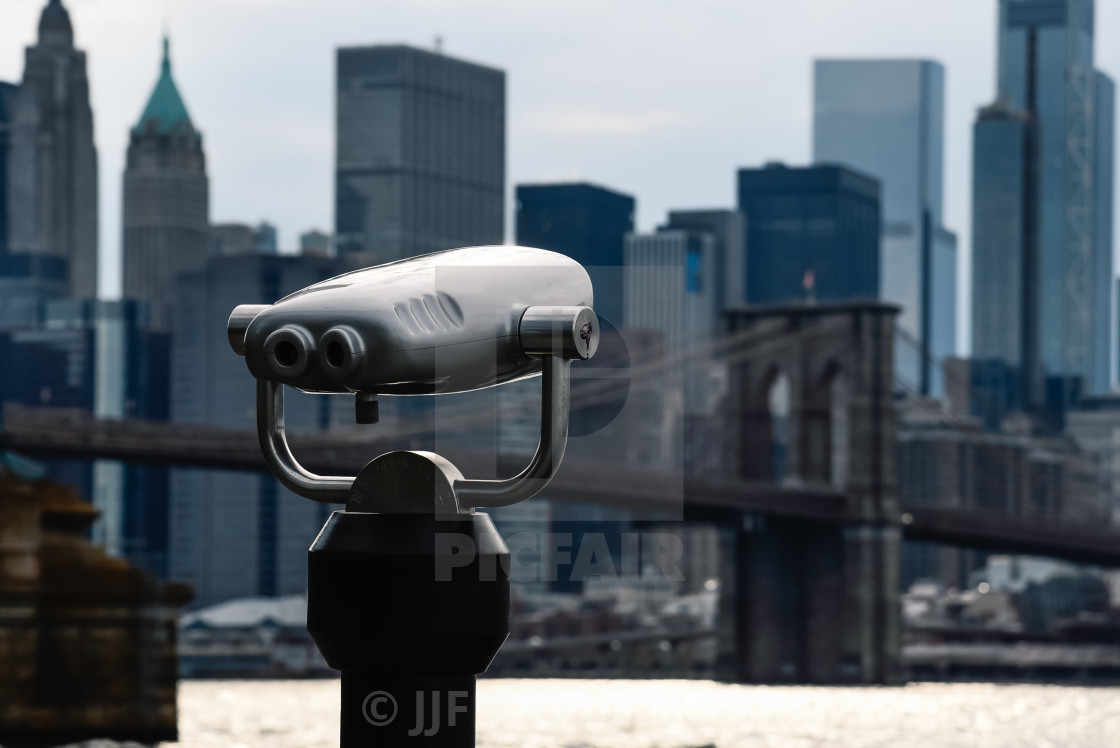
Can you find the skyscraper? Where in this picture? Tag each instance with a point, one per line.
(672, 285)
(315, 241)
(232, 239)
(236, 535)
(420, 153)
(728, 229)
(585, 222)
(8, 93)
(166, 199)
(52, 167)
(1104, 162)
(27, 282)
(1064, 255)
(589, 224)
(1005, 277)
(812, 233)
(265, 239)
(886, 118)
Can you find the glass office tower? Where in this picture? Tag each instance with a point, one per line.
(420, 153)
(886, 118)
(585, 222)
(1046, 75)
(812, 234)
(1004, 261)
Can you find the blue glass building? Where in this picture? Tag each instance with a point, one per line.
(812, 233)
(886, 118)
(1005, 252)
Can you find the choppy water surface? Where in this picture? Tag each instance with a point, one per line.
(679, 714)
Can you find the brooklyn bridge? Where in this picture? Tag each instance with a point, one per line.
(816, 549)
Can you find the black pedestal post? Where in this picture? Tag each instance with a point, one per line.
(410, 608)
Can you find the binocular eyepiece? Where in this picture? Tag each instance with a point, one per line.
(451, 321)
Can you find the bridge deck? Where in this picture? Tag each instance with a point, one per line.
(70, 434)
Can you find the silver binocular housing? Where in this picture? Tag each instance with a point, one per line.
(451, 321)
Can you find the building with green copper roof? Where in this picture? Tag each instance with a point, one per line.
(165, 113)
(166, 218)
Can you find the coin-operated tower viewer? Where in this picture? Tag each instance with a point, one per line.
(408, 586)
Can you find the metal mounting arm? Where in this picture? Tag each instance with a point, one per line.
(335, 489)
(329, 489)
(555, 398)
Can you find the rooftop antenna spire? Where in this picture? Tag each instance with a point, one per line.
(166, 28)
(438, 44)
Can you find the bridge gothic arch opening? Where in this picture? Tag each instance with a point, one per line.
(838, 386)
(778, 416)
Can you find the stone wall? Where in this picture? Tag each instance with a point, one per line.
(87, 642)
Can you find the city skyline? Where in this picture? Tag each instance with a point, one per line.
(567, 118)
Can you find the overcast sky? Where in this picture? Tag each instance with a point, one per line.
(661, 99)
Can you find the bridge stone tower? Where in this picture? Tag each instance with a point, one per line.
(52, 187)
(811, 398)
(166, 200)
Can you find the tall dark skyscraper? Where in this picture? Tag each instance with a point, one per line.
(237, 534)
(811, 232)
(8, 93)
(585, 222)
(420, 153)
(886, 118)
(166, 200)
(589, 224)
(1049, 190)
(52, 161)
(1005, 276)
(1104, 185)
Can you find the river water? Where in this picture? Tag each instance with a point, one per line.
(680, 714)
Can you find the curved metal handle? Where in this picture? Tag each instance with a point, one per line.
(555, 397)
(329, 489)
(335, 489)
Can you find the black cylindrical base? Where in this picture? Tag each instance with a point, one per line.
(409, 608)
(391, 711)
